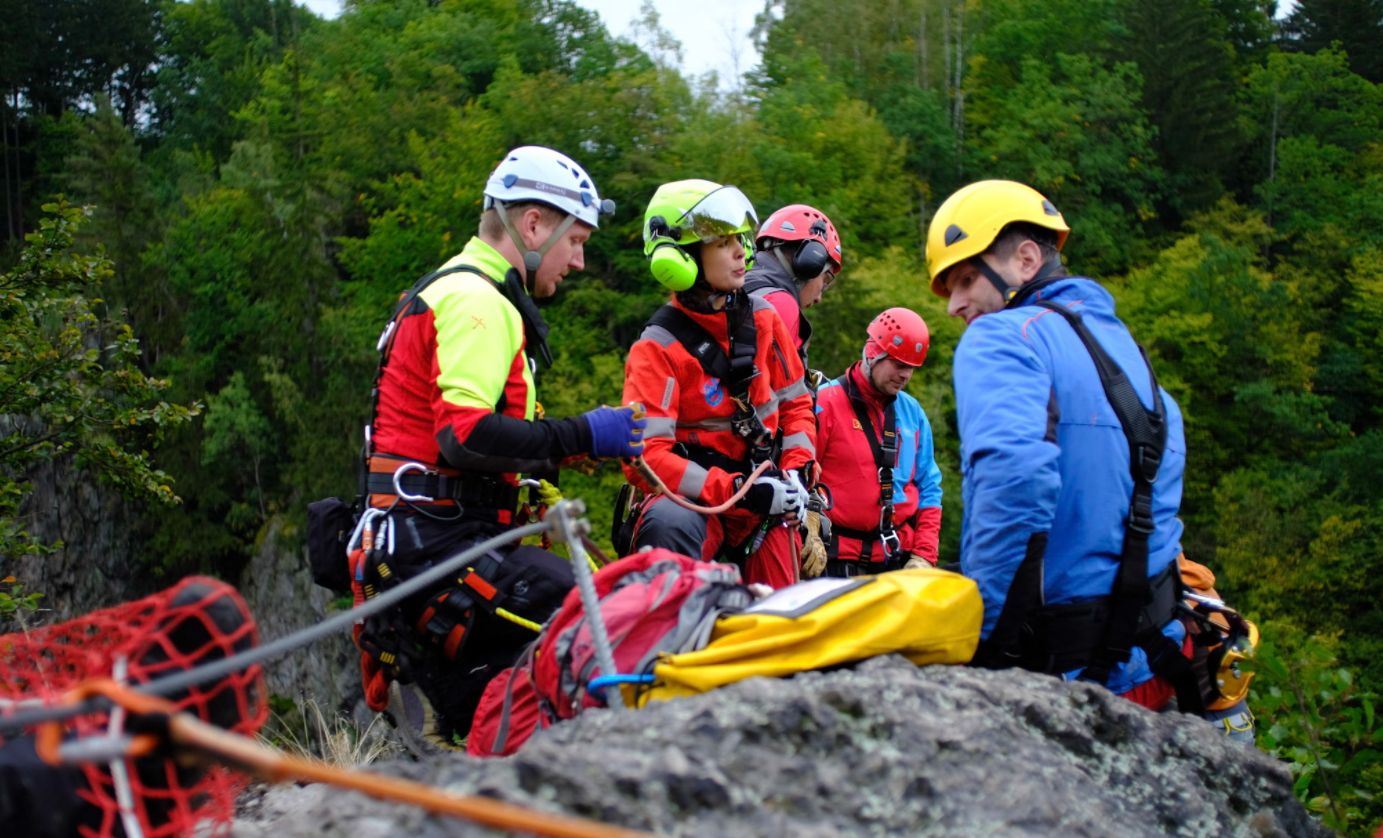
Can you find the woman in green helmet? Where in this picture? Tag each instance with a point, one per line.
(723, 388)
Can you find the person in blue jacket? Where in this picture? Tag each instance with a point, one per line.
(1045, 463)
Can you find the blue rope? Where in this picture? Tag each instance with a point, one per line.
(600, 682)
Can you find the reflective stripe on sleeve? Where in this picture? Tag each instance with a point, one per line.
(660, 426)
(693, 481)
(793, 390)
(799, 440)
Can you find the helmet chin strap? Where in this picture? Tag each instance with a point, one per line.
(532, 259)
(1006, 291)
(780, 253)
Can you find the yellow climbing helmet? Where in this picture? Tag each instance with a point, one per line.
(971, 219)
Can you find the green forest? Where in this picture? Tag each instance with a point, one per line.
(209, 207)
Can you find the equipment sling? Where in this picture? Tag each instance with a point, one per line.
(1133, 592)
(885, 456)
(736, 370)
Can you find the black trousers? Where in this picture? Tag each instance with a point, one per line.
(532, 582)
(36, 798)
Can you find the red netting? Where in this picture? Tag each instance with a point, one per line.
(195, 622)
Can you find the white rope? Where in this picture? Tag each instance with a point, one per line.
(585, 584)
(124, 792)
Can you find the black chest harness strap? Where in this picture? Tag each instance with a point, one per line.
(487, 494)
(734, 370)
(385, 345)
(1102, 634)
(885, 452)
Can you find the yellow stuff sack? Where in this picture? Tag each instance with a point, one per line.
(927, 615)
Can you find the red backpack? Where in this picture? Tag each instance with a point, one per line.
(652, 603)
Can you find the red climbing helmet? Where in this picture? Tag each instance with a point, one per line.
(801, 223)
(902, 334)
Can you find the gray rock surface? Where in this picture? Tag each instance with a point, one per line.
(98, 567)
(93, 568)
(885, 748)
(279, 590)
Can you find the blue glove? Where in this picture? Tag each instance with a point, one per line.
(616, 431)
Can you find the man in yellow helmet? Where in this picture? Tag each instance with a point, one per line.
(1071, 481)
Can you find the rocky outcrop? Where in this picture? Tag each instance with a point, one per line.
(281, 594)
(885, 748)
(94, 567)
(99, 565)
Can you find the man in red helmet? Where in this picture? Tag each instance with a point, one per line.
(797, 256)
(874, 444)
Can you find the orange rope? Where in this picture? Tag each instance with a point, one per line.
(661, 488)
(269, 764)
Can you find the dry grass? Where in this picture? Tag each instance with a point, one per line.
(335, 739)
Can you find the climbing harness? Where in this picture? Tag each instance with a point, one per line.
(1099, 635)
(736, 369)
(885, 451)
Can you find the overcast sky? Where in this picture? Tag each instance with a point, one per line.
(712, 32)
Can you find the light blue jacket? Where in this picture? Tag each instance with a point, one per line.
(1042, 451)
(916, 458)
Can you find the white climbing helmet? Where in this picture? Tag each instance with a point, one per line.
(535, 173)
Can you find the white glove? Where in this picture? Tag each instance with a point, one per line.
(799, 490)
(775, 496)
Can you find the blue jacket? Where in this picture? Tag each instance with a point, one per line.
(1042, 451)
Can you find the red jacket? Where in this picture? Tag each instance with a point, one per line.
(848, 469)
(457, 389)
(686, 405)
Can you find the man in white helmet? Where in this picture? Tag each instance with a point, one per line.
(455, 424)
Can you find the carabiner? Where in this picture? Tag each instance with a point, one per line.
(398, 490)
(892, 544)
(367, 519)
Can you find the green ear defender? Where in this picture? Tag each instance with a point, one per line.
(672, 266)
(700, 210)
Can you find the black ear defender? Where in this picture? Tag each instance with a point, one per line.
(809, 260)
(811, 257)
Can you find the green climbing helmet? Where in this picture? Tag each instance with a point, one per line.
(684, 212)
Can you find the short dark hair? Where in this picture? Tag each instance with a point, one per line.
(492, 228)
(1016, 233)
